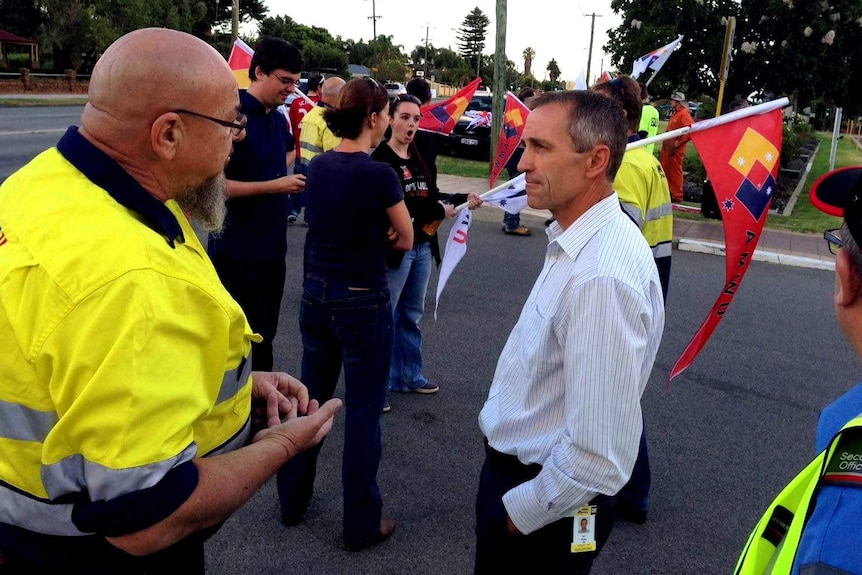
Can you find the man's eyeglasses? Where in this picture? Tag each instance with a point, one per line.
(236, 127)
(285, 80)
(833, 240)
(407, 98)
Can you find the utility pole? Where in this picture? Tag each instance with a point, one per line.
(234, 29)
(374, 17)
(499, 81)
(425, 75)
(590, 53)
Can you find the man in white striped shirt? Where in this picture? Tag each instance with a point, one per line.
(563, 418)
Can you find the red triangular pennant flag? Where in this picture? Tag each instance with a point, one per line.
(741, 159)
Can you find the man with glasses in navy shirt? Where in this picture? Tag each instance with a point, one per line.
(249, 254)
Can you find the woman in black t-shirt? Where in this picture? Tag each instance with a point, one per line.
(356, 214)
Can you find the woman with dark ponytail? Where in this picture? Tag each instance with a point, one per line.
(357, 214)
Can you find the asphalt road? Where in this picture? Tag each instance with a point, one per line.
(25, 132)
(724, 438)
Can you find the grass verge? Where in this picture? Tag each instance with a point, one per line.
(805, 217)
(462, 167)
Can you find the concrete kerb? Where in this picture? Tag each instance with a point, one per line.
(704, 247)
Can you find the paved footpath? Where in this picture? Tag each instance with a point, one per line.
(704, 236)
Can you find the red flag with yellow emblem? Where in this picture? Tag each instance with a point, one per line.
(239, 61)
(511, 130)
(443, 116)
(741, 160)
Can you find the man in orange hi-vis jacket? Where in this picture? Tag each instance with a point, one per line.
(673, 150)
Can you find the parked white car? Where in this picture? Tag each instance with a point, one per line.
(395, 89)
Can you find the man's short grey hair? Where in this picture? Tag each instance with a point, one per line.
(593, 120)
(852, 248)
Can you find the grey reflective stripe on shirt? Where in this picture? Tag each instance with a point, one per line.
(74, 474)
(633, 212)
(234, 380)
(310, 147)
(662, 250)
(659, 212)
(35, 514)
(25, 423)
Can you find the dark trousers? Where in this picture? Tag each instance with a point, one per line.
(352, 327)
(634, 495)
(547, 550)
(26, 553)
(257, 287)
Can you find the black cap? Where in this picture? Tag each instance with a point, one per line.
(839, 193)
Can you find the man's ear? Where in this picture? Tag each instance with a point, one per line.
(846, 282)
(166, 134)
(598, 160)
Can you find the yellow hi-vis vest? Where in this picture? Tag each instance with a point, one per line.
(771, 547)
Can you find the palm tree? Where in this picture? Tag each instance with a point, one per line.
(528, 55)
(553, 71)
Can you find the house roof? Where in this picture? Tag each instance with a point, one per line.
(358, 70)
(10, 38)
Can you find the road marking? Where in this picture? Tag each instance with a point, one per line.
(33, 132)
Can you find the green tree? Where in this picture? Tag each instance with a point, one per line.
(471, 37)
(645, 26)
(220, 12)
(78, 31)
(528, 55)
(320, 50)
(21, 17)
(553, 72)
(806, 49)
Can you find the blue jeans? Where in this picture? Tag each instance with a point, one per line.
(407, 286)
(340, 325)
(294, 203)
(511, 221)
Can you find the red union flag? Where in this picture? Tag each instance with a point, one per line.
(239, 61)
(511, 130)
(443, 116)
(741, 159)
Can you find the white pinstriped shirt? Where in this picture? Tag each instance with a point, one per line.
(566, 391)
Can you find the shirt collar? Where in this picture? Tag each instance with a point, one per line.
(576, 236)
(250, 104)
(104, 172)
(634, 138)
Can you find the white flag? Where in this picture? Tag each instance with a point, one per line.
(511, 199)
(655, 59)
(581, 82)
(456, 247)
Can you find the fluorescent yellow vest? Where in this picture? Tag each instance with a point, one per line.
(771, 547)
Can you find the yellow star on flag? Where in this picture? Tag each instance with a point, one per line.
(753, 145)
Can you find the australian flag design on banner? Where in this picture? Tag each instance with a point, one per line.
(755, 158)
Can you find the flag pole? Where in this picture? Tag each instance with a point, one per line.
(713, 122)
(306, 98)
(651, 77)
(696, 127)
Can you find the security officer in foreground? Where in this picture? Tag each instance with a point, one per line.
(814, 526)
(126, 394)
